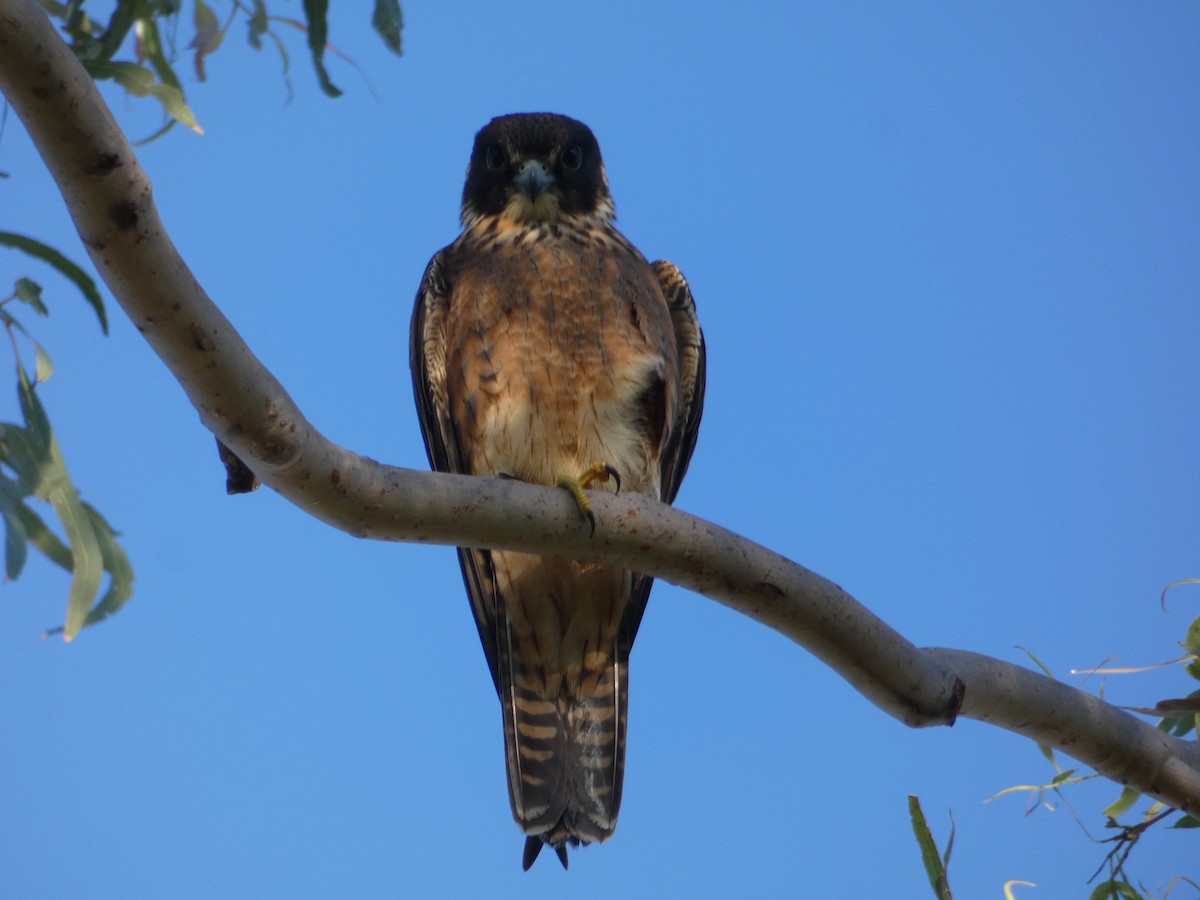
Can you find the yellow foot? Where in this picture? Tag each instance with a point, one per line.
(597, 472)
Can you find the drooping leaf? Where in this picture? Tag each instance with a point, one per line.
(388, 22)
(1009, 885)
(935, 869)
(27, 456)
(1115, 890)
(68, 269)
(44, 540)
(16, 540)
(88, 571)
(258, 24)
(30, 292)
(152, 47)
(1192, 638)
(1122, 804)
(119, 24)
(33, 454)
(116, 564)
(139, 81)
(315, 12)
(37, 428)
(207, 38)
(43, 367)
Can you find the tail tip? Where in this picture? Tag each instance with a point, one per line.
(533, 846)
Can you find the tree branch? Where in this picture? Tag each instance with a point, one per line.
(110, 200)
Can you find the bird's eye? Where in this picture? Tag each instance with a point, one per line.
(495, 157)
(572, 157)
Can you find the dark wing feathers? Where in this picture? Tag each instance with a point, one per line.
(681, 438)
(689, 340)
(427, 359)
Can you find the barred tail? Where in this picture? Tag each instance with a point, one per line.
(565, 745)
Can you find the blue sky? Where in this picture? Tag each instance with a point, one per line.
(946, 260)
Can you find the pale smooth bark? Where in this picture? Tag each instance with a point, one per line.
(110, 200)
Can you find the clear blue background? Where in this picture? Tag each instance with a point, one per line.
(947, 258)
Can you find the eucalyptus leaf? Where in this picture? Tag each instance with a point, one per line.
(30, 292)
(140, 81)
(1122, 804)
(88, 570)
(388, 22)
(43, 367)
(935, 869)
(116, 564)
(315, 12)
(208, 36)
(67, 268)
(44, 540)
(16, 541)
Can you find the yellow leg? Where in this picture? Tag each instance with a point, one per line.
(597, 472)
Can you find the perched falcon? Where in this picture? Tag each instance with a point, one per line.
(546, 348)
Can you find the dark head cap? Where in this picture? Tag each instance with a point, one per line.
(536, 167)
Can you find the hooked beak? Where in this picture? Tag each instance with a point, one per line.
(533, 178)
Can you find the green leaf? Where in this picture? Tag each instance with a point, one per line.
(318, 35)
(16, 540)
(1186, 822)
(388, 22)
(116, 564)
(26, 455)
(208, 36)
(1192, 638)
(258, 24)
(67, 268)
(150, 42)
(1061, 777)
(1122, 804)
(37, 424)
(1115, 890)
(1041, 665)
(139, 81)
(44, 540)
(33, 453)
(30, 292)
(43, 367)
(88, 571)
(934, 866)
(119, 24)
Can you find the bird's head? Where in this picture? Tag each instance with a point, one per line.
(536, 168)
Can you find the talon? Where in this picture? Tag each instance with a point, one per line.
(600, 472)
(574, 486)
(615, 475)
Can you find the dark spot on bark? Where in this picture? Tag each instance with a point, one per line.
(41, 93)
(335, 476)
(124, 215)
(104, 164)
(773, 589)
(202, 341)
(956, 700)
(238, 477)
